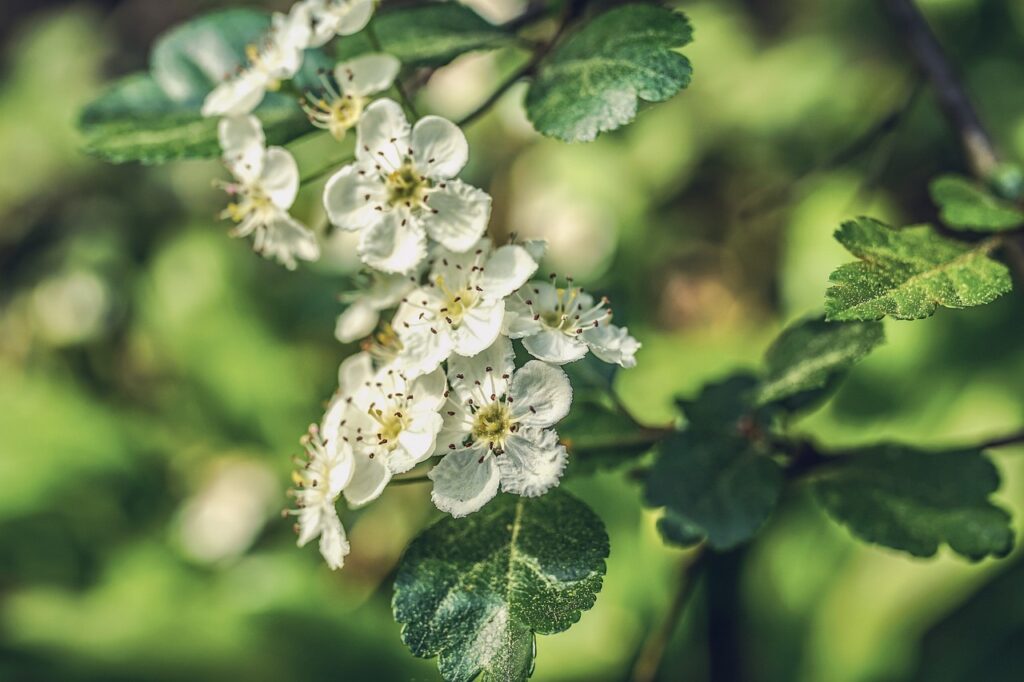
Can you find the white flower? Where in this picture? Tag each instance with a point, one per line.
(328, 469)
(363, 313)
(340, 109)
(277, 56)
(390, 422)
(401, 189)
(461, 307)
(559, 325)
(337, 18)
(496, 430)
(266, 182)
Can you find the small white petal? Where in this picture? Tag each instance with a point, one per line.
(439, 147)
(506, 270)
(429, 390)
(519, 317)
(357, 322)
(368, 74)
(311, 521)
(284, 239)
(334, 545)
(532, 463)
(499, 357)
(236, 96)
(280, 177)
(354, 371)
(239, 135)
(541, 394)
(352, 197)
(415, 442)
(383, 135)
(551, 345)
(481, 325)
(458, 423)
(537, 248)
(394, 244)
(462, 212)
(422, 351)
(370, 479)
(613, 344)
(464, 481)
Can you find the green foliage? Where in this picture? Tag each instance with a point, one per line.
(914, 501)
(966, 205)
(807, 358)
(473, 591)
(598, 435)
(590, 84)
(907, 273)
(155, 117)
(426, 35)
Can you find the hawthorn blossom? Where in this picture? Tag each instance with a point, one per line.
(560, 325)
(496, 430)
(363, 313)
(402, 189)
(266, 182)
(331, 18)
(391, 422)
(461, 307)
(276, 57)
(356, 79)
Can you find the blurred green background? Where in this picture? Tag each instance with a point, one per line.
(155, 374)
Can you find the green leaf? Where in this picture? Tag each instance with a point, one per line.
(473, 591)
(907, 273)
(678, 530)
(590, 84)
(966, 205)
(155, 117)
(915, 501)
(806, 360)
(426, 35)
(599, 436)
(724, 406)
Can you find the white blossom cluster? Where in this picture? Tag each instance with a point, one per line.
(437, 382)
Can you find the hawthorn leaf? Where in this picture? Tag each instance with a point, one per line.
(907, 273)
(805, 362)
(915, 501)
(474, 591)
(966, 205)
(591, 83)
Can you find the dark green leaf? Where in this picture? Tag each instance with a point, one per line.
(590, 84)
(725, 406)
(474, 590)
(907, 273)
(915, 501)
(678, 530)
(426, 35)
(802, 365)
(966, 205)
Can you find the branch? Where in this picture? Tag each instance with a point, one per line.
(1010, 439)
(975, 140)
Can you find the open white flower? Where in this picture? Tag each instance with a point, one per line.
(276, 57)
(560, 325)
(327, 470)
(337, 18)
(340, 108)
(266, 182)
(496, 430)
(390, 422)
(461, 307)
(402, 189)
(363, 313)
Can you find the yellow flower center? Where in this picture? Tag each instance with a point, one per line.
(492, 424)
(406, 186)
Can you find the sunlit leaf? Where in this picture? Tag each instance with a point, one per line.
(966, 205)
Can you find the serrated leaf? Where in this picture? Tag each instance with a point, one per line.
(907, 273)
(804, 362)
(426, 35)
(155, 117)
(966, 205)
(472, 591)
(591, 83)
(915, 501)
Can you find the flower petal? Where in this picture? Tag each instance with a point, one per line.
(481, 325)
(383, 135)
(354, 371)
(613, 344)
(370, 478)
(459, 217)
(334, 545)
(241, 140)
(358, 321)
(491, 368)
(439, 147)
(368, 74)
(532, 463)
(236, 96)
(284, 239)
(352, 197)
(415, 442)
(464, 481)
(540, 394)
(519, 319)
(429, 390)
(280, 177)
(506, 270)
(551, 345)
(458, 423)
(394, 244)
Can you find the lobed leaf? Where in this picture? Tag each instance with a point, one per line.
(907, 273)
(473, 591)
(966, 205)
(591, 83)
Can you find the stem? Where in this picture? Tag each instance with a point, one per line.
(409, 480)
(371, 35)
(977, 144)
(1010, 439)
(320, 172)
(653, 650)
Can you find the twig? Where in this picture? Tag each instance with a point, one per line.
(653, 650)
(977, 144)
(409, 480)
(1010, 439)
(371, 35)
